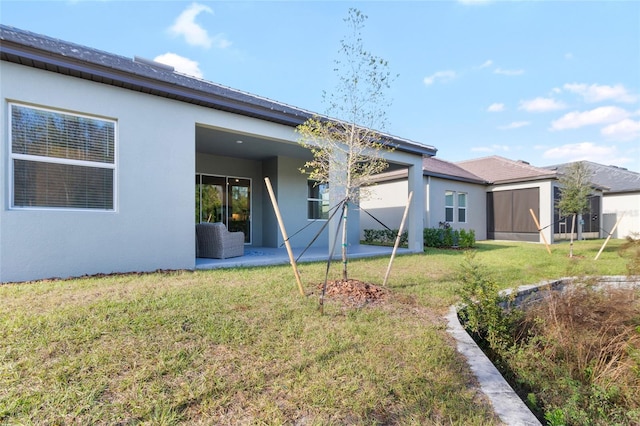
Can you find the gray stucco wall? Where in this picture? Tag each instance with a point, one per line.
(152, 226)
(476, 205)
(387, 202)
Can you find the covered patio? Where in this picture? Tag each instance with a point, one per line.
(264, 256)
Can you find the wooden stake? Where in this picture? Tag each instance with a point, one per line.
(609, 236)
(397, 243)
(292, 259)
(535, 220)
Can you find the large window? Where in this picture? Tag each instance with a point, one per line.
(317, 200)
(455, 201)
(61, 160)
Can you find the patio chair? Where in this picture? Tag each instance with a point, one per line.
(215, 241)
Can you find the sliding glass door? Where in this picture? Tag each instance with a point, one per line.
(239, 206)
(224, 199)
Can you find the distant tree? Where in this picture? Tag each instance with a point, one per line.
(575, 189)
(346, 149)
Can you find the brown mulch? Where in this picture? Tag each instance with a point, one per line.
(354, 292)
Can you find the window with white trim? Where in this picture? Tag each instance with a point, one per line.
(317, 200)
(448, 206)
(61, 160)
(455, 207)
(462, 207)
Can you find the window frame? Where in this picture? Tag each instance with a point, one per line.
(12, 157)
(454, 208)
(463, 208)
(311, 184)
(449, 207)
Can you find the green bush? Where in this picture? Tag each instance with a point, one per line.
(384, 236)
(482, 313)
(467, 238)
(448, 237)
(433, 237)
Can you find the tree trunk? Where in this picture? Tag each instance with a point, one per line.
(345, 211)
(573, 227)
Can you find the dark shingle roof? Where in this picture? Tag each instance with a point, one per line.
(613, 178)
(39, 51)
(496, 169)
(435, 167)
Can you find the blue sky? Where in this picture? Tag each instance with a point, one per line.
(543, 81)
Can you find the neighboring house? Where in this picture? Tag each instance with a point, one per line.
(515, 188)
(494, 197)
(102, 156)
(620, 197)
(491, 195)
(453, 195)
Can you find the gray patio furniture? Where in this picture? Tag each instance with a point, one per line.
(215, 241)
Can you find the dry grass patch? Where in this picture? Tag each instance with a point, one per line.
(578, 356)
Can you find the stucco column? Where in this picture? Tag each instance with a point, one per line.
(337, 175)
(415, 226)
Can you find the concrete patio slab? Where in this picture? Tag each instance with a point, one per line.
(264, 256)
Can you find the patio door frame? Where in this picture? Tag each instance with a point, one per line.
(226, 214)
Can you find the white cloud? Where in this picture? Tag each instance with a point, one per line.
(541, 105)
(515, 125)
(625, 130)
(568, 56)
(585, 151)
(193, 33)
(601, 115)
(508, 72)
(474, 2)
(599, 93)
(441, 76)
(491, 148)
(496, 107)
(181, 64)
(486, 64)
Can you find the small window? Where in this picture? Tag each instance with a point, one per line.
(317, 200)
(462, 207)
(61, 160)
(448, 206)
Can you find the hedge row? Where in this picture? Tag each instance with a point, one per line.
(433, 237)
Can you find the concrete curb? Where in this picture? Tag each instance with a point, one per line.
(506, 403)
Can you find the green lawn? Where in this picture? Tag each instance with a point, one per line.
(242, 346)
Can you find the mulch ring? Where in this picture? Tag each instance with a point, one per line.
(354, 292)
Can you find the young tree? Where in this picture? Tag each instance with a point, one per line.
(574, 193)
(346, 149)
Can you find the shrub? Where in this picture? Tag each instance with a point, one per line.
(467, 238)
(432, 237)
(446, 237)
(443, 237)
(482, 313)
(384, 236)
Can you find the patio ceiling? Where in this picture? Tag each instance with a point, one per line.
(224, 143)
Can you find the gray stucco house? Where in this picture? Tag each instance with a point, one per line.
(102, 154)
